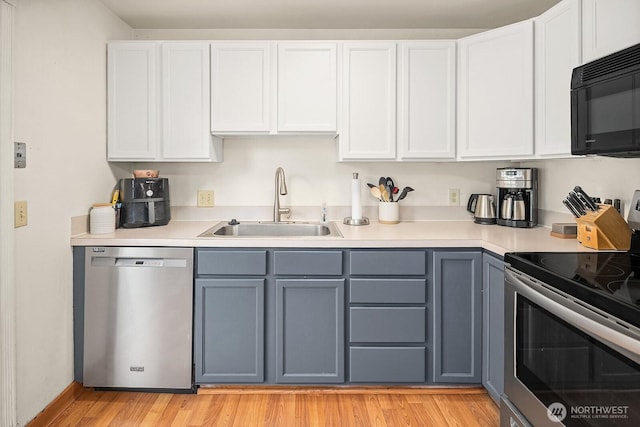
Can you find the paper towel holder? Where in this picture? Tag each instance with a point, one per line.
(355, 201)
(358, 221)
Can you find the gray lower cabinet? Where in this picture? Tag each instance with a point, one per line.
(310, 331)
(229, 330)
(493, 326)
(457, 317)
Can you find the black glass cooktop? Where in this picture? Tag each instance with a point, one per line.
(609, 281)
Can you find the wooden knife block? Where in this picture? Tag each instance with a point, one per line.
(604, 229)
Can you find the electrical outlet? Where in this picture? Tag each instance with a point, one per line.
(205, 199)
(454, 197)
(20, 214)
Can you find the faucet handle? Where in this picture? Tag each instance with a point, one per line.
(285, 211)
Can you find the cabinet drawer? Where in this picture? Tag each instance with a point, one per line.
(387, 324)
(387, 364)
(231, 262)
(388, 291)
(388, 263)
(308, 263)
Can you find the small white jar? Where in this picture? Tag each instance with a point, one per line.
(388, 212)
(102, 219)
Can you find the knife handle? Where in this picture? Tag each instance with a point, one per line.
(575, 201)
(571, 208)
(584, 197)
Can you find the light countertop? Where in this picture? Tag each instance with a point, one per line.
(423, 234)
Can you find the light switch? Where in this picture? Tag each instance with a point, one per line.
(20, 214)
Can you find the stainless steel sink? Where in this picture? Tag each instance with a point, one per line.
(272, 229)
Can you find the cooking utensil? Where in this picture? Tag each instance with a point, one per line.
(370, 185)
(382, 181)
(577, 203)
(385, 195)
(375, 191)
(571, 208)
(584, 197)
(390, 185)
(404, 192)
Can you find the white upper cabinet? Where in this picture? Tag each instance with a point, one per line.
(132, 91)
(158, 102)
(557, 53)
(241, 92)
(368, 101)
(495, 93)
(426, 100)
(186, 132)
(609, 26)
(307, 87)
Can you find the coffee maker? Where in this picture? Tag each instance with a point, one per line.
(517, 197)
(145, 202)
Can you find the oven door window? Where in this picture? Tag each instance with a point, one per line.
(560, 364)
(608, 115)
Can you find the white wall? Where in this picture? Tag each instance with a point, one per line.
(314, 176)
(602, 177)
(60, 110)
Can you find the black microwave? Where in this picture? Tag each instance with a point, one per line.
(605, 105)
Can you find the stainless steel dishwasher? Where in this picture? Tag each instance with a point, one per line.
(138, 317)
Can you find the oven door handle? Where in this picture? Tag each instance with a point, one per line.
(579, 317)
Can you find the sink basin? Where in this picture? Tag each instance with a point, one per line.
(273, 229)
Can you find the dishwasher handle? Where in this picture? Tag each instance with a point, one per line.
(123, 262)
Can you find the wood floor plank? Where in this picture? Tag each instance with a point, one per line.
(374, 410)
(310, 407)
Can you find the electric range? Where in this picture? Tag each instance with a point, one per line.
(572, 339)
(608, 281)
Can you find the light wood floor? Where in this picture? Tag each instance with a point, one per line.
(284, 407)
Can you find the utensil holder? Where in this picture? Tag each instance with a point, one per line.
(604, 229)
(388, 212)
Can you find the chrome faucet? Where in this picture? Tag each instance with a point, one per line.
(281, 189)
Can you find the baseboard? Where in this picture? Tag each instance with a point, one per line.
(257, 389)
(59, 404)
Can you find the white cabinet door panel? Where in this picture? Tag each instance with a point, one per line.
(132, 114)
(426, 102)
(609, 26)
(240, 87)
(368, 101)
(495, 93)
(185, 101)
(307, 78)
(557, 53)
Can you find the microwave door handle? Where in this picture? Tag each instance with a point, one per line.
(628, 346)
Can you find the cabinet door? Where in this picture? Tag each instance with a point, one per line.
(495, 93)
(457, 323)
(132, 97)
(609, 26)
(368, 101)
(310, 331)
(229, 330)
(557, 53)
(186, 134)
(426, 102)
(240, 87)
(307, 88)
(493, 326)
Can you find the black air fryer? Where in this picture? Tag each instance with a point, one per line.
(145, 202)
